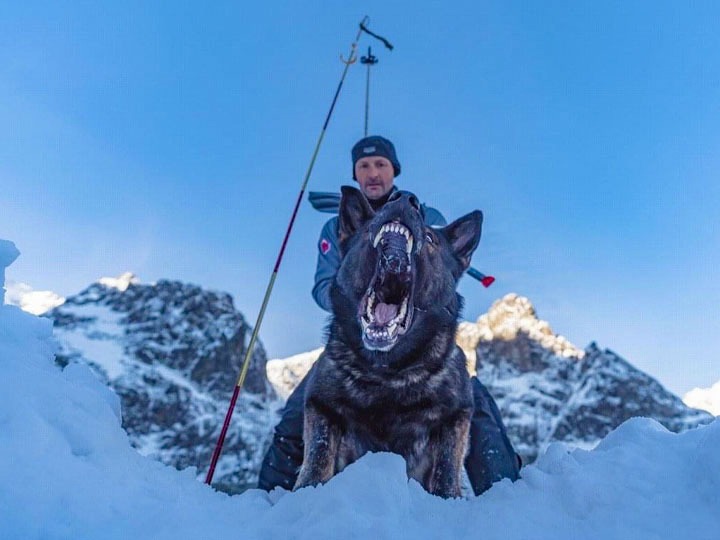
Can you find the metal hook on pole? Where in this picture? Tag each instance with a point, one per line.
(353, 55)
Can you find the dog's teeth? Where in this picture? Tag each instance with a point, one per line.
(378, 236)
(403, 310)
(391, 328)
(409, 245)
(384, 229)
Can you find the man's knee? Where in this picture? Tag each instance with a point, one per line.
(491, 456)
(283, 459)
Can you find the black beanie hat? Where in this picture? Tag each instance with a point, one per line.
(375, 145)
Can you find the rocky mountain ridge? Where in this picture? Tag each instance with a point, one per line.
(549, 390)
(172, 352)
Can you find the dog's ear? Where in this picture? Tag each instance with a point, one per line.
(464, 236)
(355, 210)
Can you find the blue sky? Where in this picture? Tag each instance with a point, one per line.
(172, 139)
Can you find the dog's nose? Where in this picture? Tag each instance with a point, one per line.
(406, 195)
(394, 262)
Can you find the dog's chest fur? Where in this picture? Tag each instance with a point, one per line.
(399, 413)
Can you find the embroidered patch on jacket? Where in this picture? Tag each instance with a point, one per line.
(324, 246)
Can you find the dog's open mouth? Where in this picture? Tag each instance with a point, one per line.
(386, 309)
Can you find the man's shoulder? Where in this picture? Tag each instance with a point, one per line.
(433, 217)
(331, 225)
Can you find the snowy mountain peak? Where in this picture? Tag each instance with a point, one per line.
(121, 283)
(705, 398)
(512, 319)
(549, 390)
(172, 352)
(35, 302)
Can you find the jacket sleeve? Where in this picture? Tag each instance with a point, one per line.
(328, 263)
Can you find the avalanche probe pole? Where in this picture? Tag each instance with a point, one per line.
(370, 61)
(246, 362)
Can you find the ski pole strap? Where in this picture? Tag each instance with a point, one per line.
(328, 202)
(385, 41)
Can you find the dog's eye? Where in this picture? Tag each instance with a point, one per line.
(429, 238)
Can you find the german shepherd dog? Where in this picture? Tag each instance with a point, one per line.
(391, 377)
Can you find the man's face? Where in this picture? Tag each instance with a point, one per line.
(375, 175)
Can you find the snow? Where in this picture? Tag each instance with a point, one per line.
(35, 302)
(286, 373)
(707, 399)
(121, 283)
(103, 348)
(69, 472)
(8, 253)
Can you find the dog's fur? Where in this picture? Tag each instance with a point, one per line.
(409, 395)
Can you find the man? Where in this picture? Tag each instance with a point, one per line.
(491, 456)
(375, 166)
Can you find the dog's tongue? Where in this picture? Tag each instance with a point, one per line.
(384, 313)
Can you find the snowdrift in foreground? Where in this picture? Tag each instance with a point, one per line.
(67, 471)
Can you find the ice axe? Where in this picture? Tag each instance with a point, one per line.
(329, 203)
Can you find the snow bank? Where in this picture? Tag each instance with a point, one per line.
(67, 471)
(8, 253)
